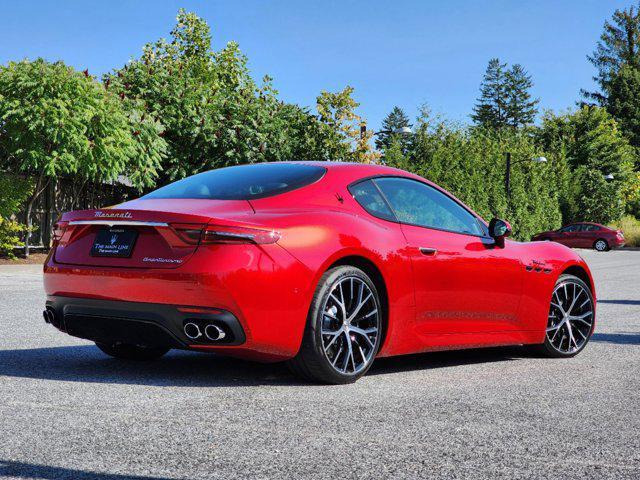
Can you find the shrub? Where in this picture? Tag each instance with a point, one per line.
(13, 192)
(470, 163)
(10, 231)
(630, 226)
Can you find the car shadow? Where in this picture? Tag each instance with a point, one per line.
(446, 359)
(622, 338)
(45, 472)
(86, 363)
(621, 302)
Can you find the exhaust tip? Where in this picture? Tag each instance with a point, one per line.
(214, 333)
(50, 317)
(192, 330)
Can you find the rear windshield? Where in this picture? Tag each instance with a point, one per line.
(244, 182)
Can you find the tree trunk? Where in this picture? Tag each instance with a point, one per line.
(27, 238)
(38, 189)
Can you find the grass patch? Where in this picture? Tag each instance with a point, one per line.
(630, 226)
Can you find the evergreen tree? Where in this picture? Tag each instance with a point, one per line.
(619, 45)
(491, 108)
(395, 120)
(521, 108)
(617, 59)
(623, 103)
(504, 97)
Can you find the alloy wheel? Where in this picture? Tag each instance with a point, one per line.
(570, 317)
(350, 325)
(601, 245)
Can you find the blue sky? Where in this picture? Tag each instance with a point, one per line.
(402, 53)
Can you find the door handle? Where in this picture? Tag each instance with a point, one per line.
(428, 251)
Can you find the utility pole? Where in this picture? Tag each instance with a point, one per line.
(507, 176)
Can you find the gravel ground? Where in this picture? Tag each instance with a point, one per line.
(67, 411)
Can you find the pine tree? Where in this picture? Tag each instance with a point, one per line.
(504, 97)
(521, 108)
(623, 103)
(619, 45)
(395, 120)
(491, 108)
(617, 59)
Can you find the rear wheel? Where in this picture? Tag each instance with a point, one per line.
(132, 352)
(601, 245)
(571, 318)
(343, 330)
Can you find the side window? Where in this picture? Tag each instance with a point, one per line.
(569, 228)
(592, 228)
(419, 204)
(368, 196)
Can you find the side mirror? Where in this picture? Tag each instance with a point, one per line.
(499, 230)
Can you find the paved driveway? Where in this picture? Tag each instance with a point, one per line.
(67, 411)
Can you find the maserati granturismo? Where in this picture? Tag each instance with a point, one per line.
(324, 265)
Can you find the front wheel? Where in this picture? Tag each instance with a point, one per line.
(571, 318)
(343, 330)
(132, 352)
(601, 245)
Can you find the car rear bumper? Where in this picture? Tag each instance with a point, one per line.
(617, 243)
(148, 324)
(263, 287)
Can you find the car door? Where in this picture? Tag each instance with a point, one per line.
(568, 235)
(584, 236)
(592, 233)
(463, 282)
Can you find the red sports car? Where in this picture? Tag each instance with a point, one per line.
(324, 265)
(585, 235)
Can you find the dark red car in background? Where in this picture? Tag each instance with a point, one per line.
(585, 235)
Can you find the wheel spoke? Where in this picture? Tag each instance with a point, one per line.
(360, 305)
(365, 333)
(551, 329)
(336, 335)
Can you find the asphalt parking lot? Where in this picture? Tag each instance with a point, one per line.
(68, 411)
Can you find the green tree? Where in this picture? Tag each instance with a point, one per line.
(504, 97)
(395, 120)
(521, 108)
(619, 46)
(623, 103)
(213, 112)
(343, 134)
(490, 110)
(57, 121)
(594, 147)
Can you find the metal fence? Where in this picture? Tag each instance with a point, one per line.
(66, 194)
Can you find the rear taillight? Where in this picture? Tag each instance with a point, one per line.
(225, 234)
(58, 231)
(189, 233)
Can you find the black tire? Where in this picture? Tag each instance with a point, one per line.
(311, 362)
(601, 245)
(132, 352)
(548, 348)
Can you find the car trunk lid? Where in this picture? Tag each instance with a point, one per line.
(159, 234)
